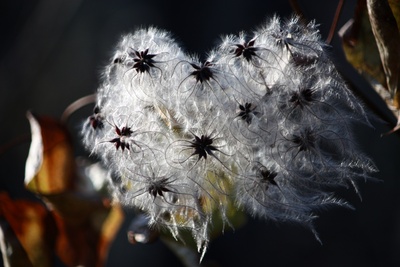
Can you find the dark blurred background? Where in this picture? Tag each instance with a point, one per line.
(52, 52)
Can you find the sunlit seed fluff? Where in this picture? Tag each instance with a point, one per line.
(263, 124)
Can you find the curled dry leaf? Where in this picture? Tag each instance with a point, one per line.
(12, 251)
(371, 43)
(87, 226)
(387, 36)
(395, 7)
(86, 221)
(50, 164)
(28, 232)
(361, 49)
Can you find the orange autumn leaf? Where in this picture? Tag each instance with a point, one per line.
(33, 226)
(9, 242)
(86, 222)
(50, 166)
(108, 231)
(86, 228)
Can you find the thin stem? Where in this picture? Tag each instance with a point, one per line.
(335, 21)
(74, 106)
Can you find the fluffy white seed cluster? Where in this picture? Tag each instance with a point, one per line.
(263, 123)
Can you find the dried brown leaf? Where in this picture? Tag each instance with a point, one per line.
(50, 167)
(87, 228)
(395, 6)
(371, 42)
(360, 47)
(86, 221)
(29, 231)
(387, 36)
(12, 251)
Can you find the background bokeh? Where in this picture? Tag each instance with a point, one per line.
(52, 53)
